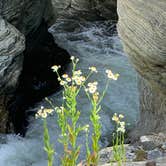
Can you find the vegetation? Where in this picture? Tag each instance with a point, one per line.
(118, 140)
(68, 117)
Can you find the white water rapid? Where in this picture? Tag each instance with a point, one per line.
(95, 44)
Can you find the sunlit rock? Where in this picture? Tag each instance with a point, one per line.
(142, 28)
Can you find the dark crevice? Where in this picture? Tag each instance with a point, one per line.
(37, 79)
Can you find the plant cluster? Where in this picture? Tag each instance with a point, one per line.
(118, 139)
(68, 117)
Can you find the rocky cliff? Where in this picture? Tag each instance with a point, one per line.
(25, 15)
(85, 9)
(12, 44)
(142, 27)
(17, 19)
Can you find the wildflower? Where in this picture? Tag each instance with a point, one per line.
(44, 115)
(82, 78)
(92, 87)
(96, 96)
(59, 79)
(121, 116)
(121, 127)
(49, 111)
(63, 82)
(111, 75)
(122, 124)
(78, 72)
(41, 113)
(68, 79)
(55, 68)
(93, 69)
(65, 76)
(73, 88)
(77, 60)
(115, 118)
(86, 128)
(78, 79)
(36, 116)
(72, 58)
(59, 109)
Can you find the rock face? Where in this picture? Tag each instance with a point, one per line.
(12, 44)
(106, 8)
(25, 15)
(142, 28)
(84, 9)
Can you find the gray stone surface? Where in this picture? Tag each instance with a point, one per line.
(26, 15)
(12, 44)
(84, 9)
(142, 28)
(106, 8)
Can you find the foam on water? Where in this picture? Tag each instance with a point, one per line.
(95, 45)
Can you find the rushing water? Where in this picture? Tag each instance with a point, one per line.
(95, 44)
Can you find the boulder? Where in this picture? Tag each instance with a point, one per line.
(12, 44)
(142, 28)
